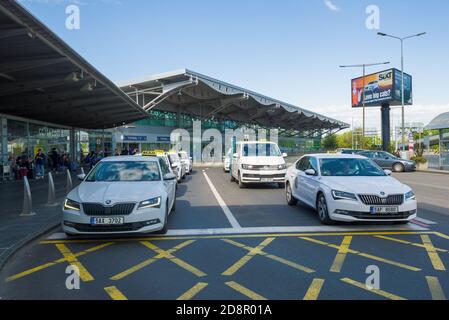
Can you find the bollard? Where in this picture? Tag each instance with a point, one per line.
(69, 182)
(51, 202)
(27, 202)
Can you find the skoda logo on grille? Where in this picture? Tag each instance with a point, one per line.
(382, 193)
(108, 201)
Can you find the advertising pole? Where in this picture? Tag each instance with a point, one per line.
(402, 93)
(363, 106)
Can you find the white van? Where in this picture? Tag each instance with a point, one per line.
(258, 162)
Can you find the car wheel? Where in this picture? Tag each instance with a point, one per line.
(291, 200)
(232, 178)
(173, 208)
(323, 211)
(398, 167)
(281, 185)
(241, 184)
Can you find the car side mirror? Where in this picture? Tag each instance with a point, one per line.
(310, 172)
(388, 172)
(170, 176)
(81, 177)
(235, 155)
(284, 155)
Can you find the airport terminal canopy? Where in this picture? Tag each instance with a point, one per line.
(201, 96)
(42, 78)
(440, 122)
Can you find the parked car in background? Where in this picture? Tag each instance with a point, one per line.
(388, 161)
(177, 165)
(227, 160)
(258, 162)
(349, 188)
(187, 161)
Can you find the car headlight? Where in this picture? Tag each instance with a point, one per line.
(71, 205)
(150, 203)
(410, 196)
(247, 166)
(282, 166)
(341, 195)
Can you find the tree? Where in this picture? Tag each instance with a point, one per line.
(330, 142)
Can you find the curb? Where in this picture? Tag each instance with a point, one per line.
(9, 253)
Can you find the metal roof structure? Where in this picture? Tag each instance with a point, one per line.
(440, 122)
(198, 95)
(42, 78)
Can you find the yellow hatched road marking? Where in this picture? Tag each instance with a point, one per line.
(314, 290)
(264, 235)
(341, 255)
(362, 254)
(376, 291)
(71, 259)
(409, 243)
(433, 254)
(192, 292)
(172, 258)
(245, 259)
(160, 255)
(435, 288)
(55, 262)
(245, 291)
(115, 293)
(272, 257)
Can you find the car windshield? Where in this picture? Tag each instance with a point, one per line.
(116, 171)
(261, 150)
(350, 167)
(183, 155)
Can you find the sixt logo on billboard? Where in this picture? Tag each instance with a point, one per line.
(386, 76)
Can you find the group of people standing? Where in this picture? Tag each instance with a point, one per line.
(34, 167)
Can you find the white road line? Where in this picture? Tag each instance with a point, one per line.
(425, 220)
(269, 230)
(234, 223)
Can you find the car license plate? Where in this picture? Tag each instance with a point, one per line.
(384, 210)
(107, 221)
(266, 180)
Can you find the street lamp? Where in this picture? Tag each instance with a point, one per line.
(363, 66)
(402, 72)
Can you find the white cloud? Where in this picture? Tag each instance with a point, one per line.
(332, 7)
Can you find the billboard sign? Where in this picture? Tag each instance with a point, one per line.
(380, 88)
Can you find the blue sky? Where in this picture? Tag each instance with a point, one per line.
(287, 49)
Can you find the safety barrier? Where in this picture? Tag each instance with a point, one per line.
(69, 182)
(51, 200)
(27, 208)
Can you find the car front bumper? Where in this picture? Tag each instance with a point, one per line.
(141, 221)
(258, 176)
(351, 211)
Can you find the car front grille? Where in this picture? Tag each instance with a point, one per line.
(97, 209)
(265, 167)
(127, 227)
(269, 176)
(373, 200)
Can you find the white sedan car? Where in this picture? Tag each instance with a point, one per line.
(349, 188)
(125, 194)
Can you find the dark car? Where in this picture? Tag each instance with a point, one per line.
(351, 151)
(388, 161)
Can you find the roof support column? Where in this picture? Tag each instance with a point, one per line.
(4, 140)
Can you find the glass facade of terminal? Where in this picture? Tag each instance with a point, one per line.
(23, 138)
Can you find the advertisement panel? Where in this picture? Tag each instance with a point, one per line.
(379, 88)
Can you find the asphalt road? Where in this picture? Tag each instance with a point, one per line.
(230, 243)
